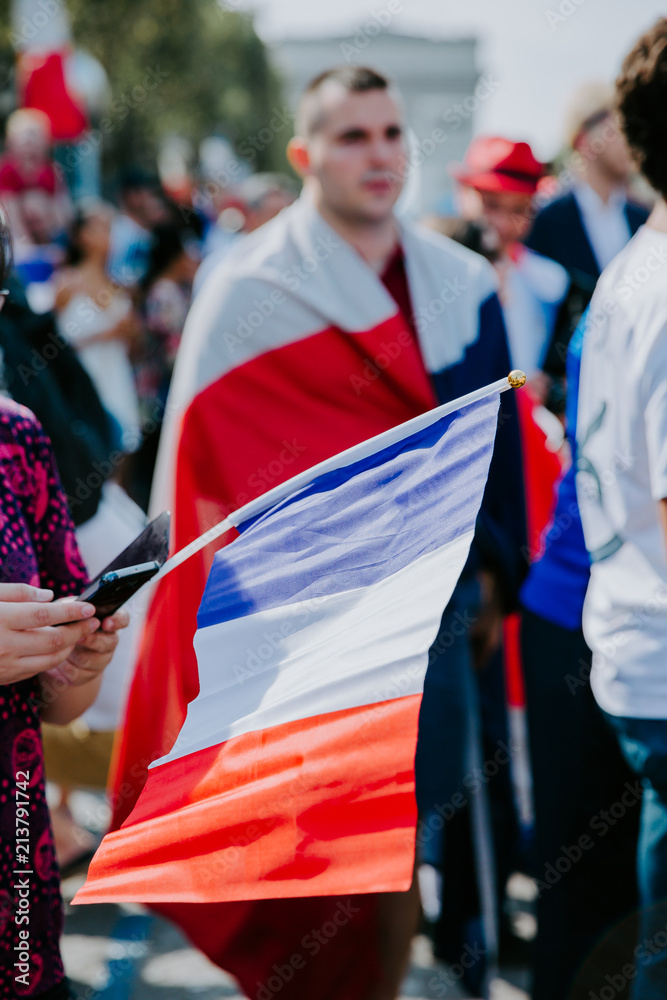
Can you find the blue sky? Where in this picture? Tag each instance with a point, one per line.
(538, 49)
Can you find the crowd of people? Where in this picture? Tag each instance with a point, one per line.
(555, 272)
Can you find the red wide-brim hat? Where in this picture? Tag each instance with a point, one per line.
(496, 164)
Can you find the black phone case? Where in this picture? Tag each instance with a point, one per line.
(151, 545)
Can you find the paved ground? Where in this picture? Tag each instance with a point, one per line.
(125, 953)
(114, 953)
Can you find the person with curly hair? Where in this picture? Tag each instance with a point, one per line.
(622, 493)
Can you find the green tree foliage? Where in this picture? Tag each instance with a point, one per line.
(192, 67)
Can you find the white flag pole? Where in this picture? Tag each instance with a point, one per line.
(514, 380)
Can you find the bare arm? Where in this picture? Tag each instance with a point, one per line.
(72, 687)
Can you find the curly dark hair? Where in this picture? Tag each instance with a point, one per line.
(641, 95)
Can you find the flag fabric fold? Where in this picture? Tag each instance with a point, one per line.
(293, 351)
(293, 773)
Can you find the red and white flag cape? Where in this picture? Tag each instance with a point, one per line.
(293, 351)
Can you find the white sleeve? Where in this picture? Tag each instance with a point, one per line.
(655, 417)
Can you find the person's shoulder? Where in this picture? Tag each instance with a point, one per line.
(632, 281)
(444, 245)
(18, 423)
(553, 209)
(637, 212)
(67, 285)
(455, 259)
(552, 223)
(263, 254)
(548, 279)
(608, 282)
(552, 218)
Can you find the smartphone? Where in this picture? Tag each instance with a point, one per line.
(113, 588)
(152, 543)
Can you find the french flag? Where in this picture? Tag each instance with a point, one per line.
(293, 773)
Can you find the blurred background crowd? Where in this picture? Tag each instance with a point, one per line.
(139, 146)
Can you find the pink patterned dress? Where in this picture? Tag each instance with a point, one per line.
(37, 546)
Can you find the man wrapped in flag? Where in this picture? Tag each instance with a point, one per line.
(312, 649)
(329, 325)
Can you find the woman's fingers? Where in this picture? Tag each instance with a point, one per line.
(33, 615)
(94, 652)
(57, 641)
(39, 651)
(120, 619)
(24, 592)
(30, 666)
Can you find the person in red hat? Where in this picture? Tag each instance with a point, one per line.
(499, 179)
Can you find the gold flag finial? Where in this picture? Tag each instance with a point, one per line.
(517, 378)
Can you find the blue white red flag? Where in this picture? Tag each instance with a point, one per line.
(293, 773)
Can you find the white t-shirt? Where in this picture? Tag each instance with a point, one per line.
(622, 474)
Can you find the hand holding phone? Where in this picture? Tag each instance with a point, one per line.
(115, 587)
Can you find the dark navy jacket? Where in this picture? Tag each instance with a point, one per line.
(558, 232)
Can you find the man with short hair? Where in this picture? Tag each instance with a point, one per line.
(586, 227)
(622, 492)
(332, 323)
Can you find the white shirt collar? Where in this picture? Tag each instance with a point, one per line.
(591, 203)
(605, 223)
